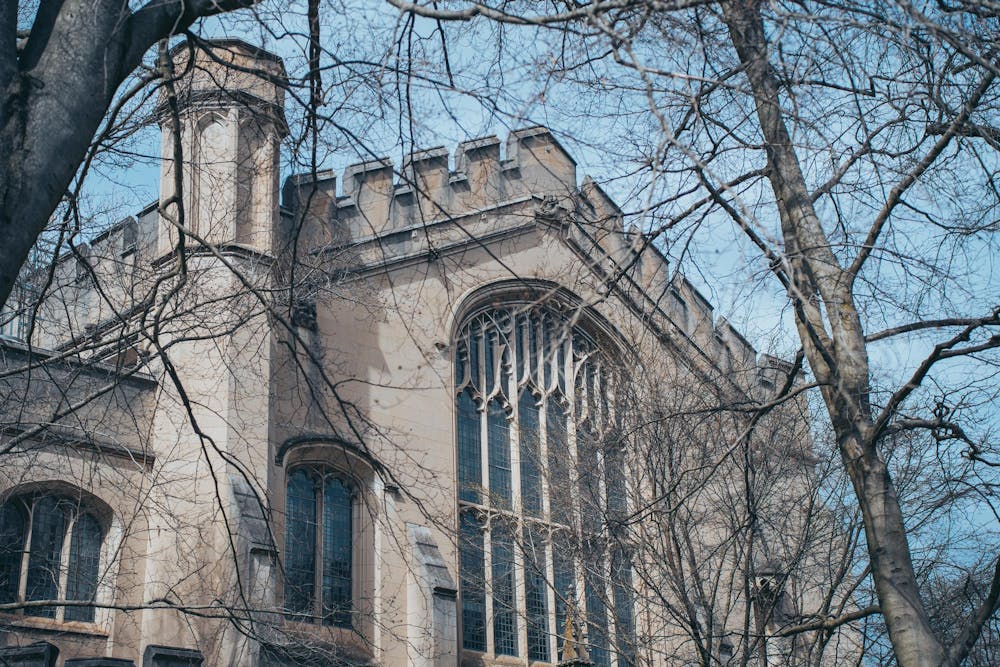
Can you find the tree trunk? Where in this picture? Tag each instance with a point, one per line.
(834, 345)
(57, 89)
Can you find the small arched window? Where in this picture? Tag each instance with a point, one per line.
(50, 549)
(318, 547)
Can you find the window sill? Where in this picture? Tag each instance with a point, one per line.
(49, 625)
(477, 659)
(330, 638)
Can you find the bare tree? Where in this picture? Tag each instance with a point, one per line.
(851, 148)
(841, 141)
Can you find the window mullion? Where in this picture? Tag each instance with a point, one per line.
(64, 563)
(22, 585)
(320, 557)
(488, 583)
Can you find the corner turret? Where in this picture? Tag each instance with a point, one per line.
(230, 100)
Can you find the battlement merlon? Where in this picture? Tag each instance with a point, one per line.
(375, 199)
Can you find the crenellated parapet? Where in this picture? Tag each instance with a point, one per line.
(374, 198)
(488, 186)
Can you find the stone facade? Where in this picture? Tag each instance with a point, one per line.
(318, 333)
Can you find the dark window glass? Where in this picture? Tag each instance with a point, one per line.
(490, 357)
(474, 363)
(13, 530)
(504, 600)
(589, 475)
(563, 581)
(531, 483)
(300, 543)
(84, 565)
(472, 576)
(560, 500)
(621, 583)
(49, 521)
(536, 595)
(336, 553)
(614, 476)
(470, 466)
(597, 615)
(39, 527)
(498, 433)
(319, 533)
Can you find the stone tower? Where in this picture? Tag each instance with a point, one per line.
(230, 101)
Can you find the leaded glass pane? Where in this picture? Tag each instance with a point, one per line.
(470, 463)
(13, 530)
(597, 615)
(504, 600)
(621, 584)
(336, 553)
(472, 578)
(491, 361)
(557, 446)
(48, 531)
(589, 475)
(498, 434)
(545, 358)
(536, 595)
(531, 482)
(474, 362)
(84, 565)
(563, 581)
(300, 544)
(614, 476)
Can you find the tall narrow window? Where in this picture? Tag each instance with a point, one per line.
(499, 446)
(470, 467)
(504, 602)
(34, 531)
(84, 567)
(319, 543)
(536, 593)
(532, 413)
(472, 575)
(300, 543)
(531, 482)
(13, 530)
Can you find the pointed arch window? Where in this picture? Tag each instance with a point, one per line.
(319, 544)
(50, 549)
(533, 415)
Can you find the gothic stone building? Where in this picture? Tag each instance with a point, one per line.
(325, 425)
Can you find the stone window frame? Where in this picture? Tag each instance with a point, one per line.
(76, 506)
(320, 472)
(367, 476)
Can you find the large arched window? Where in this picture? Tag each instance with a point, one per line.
(538, 466)
(50, 549)
(318, 547)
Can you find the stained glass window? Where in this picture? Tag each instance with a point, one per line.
(300, 544)
(504, 601)
(531, 482)
(50, 521)
(13, 530)
(472, 575)
(498, 439)
(336, 553)
(536, 593)
(84, 566)
(470, 465)
(318, 547)
(531, 470)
